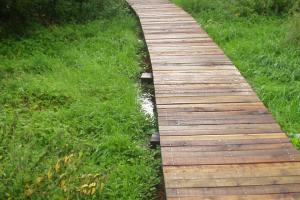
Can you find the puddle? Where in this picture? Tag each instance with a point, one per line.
(146, 101)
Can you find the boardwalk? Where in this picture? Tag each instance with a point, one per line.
(218, 140)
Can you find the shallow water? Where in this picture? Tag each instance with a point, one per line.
(146, 101)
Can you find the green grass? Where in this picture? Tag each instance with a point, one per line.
(70, 123)
(257, 46)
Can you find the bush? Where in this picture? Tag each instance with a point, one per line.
(244, 8)
(296, 7)
(196, 6)
(17, 15)
(293, 33)
(264, 7)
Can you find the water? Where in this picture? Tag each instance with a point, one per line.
(146, 101)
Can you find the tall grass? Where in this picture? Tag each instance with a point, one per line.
(70, 123)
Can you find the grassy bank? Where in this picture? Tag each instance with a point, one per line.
(258, 45)
(70, 123)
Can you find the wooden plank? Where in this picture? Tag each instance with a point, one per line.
(242, 190)
(232, 171)
(183, 108)
(206, 100)
(233, 147)
(197, 67)
(207, 87)
(208, 80)
(167, 143)
(232, 182)
(290, 196)
(188, 132)
(203, 72)
(230, 157)
(245, 127)
(204, 94)
(174, 115)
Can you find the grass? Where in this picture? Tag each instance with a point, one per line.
(257, 46)
(70, 123)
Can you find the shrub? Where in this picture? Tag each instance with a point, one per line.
(263, 7)
(196, 6)
(293, 33)
(242, 7)
(296, 7)
(16, 15)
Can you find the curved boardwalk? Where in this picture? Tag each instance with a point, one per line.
(218, 140)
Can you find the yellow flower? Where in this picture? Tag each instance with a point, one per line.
(28, 192)
(67, 159)
(39, 180)
(57, 166)
(92, 185)
(49, 174)
(62, 185)
(93, 191)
